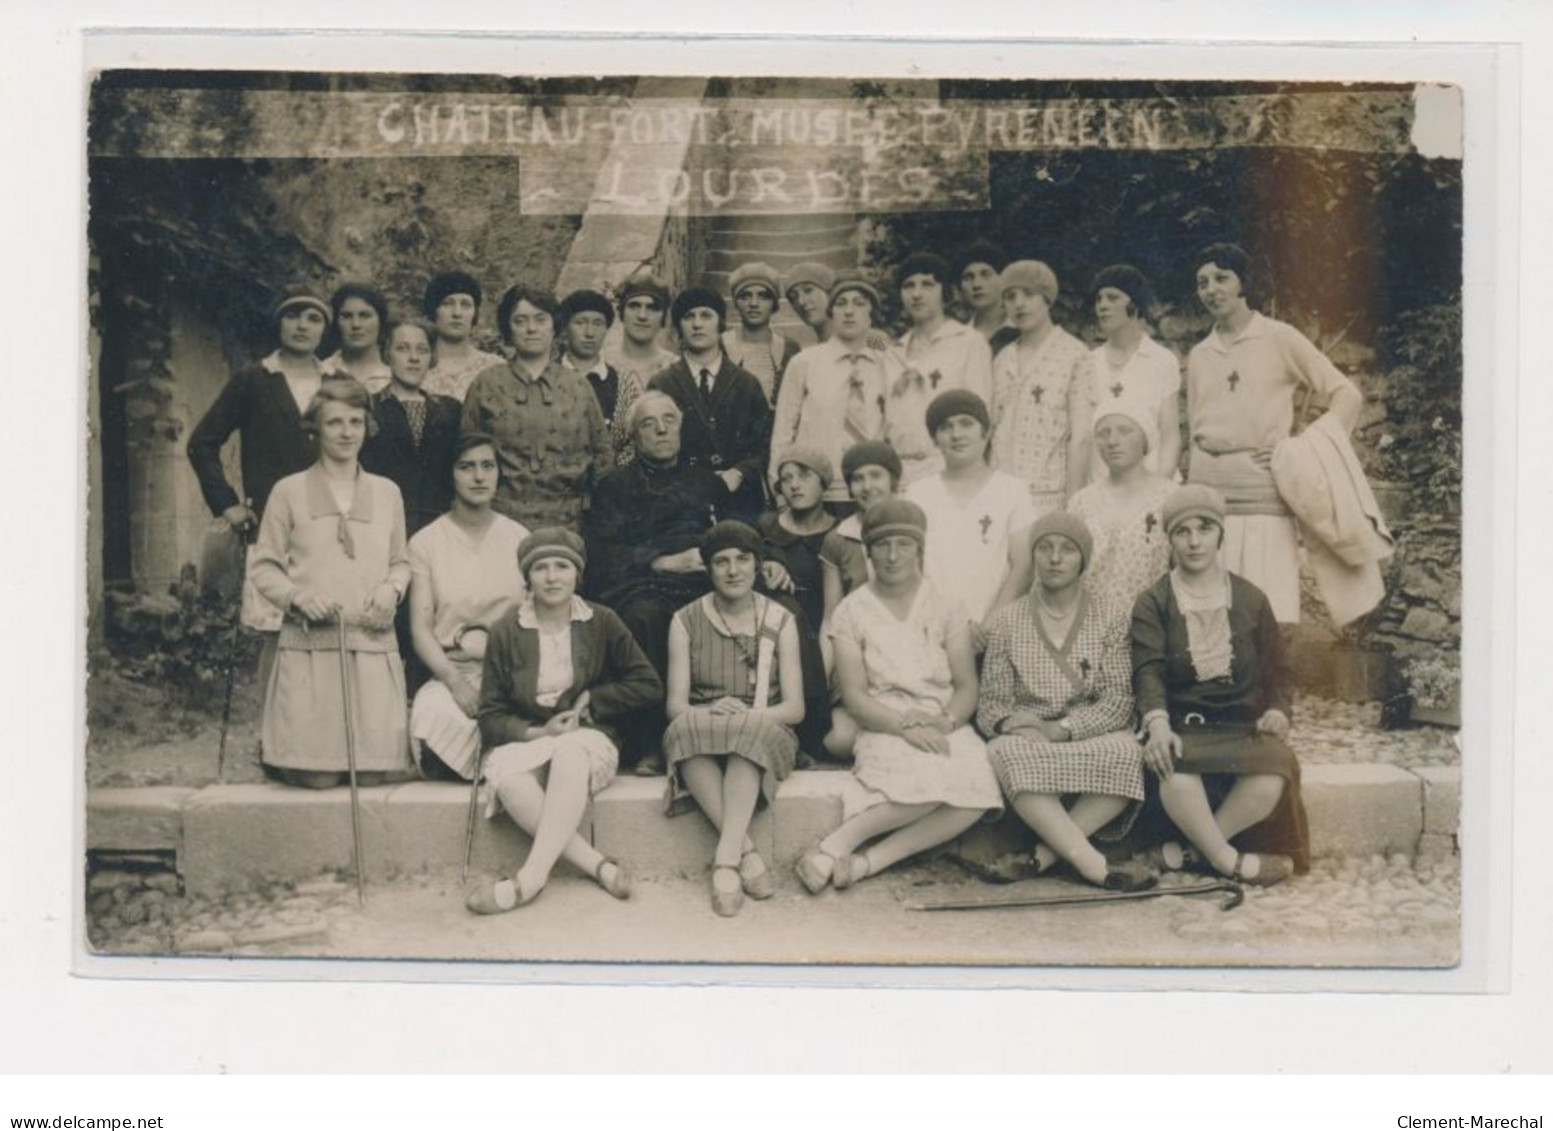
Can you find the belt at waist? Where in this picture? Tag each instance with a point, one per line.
(1244, 492)
(304, 637)
(1210, 720)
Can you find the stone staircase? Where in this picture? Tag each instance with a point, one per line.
(781, 242)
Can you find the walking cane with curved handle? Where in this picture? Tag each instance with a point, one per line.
(469, 822)
(350, 760)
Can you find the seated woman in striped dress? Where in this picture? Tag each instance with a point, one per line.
(1056, 699)
(735, 693)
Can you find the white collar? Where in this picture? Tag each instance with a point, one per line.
(599, 369)
(272, 363)
(1252, 329)
(951, 328)
(529, 618)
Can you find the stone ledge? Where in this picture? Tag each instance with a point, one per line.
(148, 819)
(1442, 799)
(629, 823)
(231, 834)
(238, 832)
(1362, 809)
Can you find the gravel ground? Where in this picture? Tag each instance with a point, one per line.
(1376, 912)
(1327, 731)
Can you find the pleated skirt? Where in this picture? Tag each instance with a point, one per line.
(304, 712)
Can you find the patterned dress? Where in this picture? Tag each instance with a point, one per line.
(448, 380)
(1086, 682)
(1132, 550)
(906, 664)
(1038, 397)
(723, 665)
(551, 441)
(634, 376)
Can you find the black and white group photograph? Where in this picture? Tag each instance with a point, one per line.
(796, 522)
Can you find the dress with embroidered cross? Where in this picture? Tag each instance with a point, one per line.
(1038, 391)
(1118, 389)
(1233, 379)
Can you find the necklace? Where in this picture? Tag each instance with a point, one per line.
(743, 642)
(1054, 615)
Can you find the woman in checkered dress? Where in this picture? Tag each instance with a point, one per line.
(1056, 698)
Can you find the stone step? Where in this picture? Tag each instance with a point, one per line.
(758, 245)
(722, 261)
(225, 836)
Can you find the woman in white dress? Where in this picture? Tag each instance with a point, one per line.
(1130, 365)
(464, 578)
(977, 516)
(908, 676)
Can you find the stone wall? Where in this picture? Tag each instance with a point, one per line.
(192, 254)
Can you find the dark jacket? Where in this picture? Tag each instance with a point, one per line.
(641, 512)
(606, 663)
(731, 431)
(424, 473)
(257, 404)
(1163, 675)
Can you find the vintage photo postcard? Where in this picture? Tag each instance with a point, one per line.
(782, 521)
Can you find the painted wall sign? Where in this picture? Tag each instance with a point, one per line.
(735, 155)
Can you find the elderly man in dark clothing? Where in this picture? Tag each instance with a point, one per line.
(727, 419)
(644, 532)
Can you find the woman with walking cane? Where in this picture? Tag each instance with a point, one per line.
(559, 671)
(331, 553)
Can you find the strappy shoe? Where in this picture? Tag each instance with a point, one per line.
(1129, 875)
(849, 870)
(620, 886)
(754, 877)
(811, 873)
(487, 895)
(724, 901)
(1273, 870)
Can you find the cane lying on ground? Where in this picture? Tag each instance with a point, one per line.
(1232, 898)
